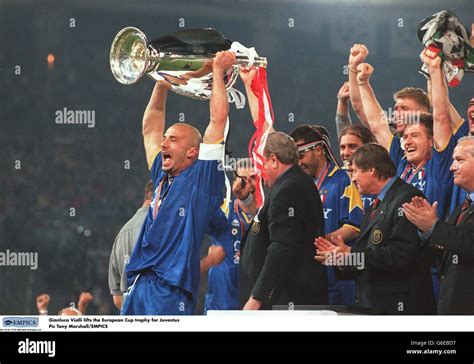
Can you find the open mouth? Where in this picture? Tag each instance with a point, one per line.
(166, 157)
(410, 149)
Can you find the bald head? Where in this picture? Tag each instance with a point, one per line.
(179, 148)
(189, 133)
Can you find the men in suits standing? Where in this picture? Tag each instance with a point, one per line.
(392, 273)
(452, 239)
(277, 265)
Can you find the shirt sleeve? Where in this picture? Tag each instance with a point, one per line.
(442, 160)
(114, 271)
(219, 228)
(461, 130)
(210, 169)
(396, 151)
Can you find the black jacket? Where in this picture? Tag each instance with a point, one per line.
(396, 278)
(277, 259)
(456, 263)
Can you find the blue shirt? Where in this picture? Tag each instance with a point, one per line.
(385, 188)
(471, 196)
(223, 279)
(367, 200)
(169, 243)
(434, 179)
(461, 131)
(342, 204)
(238, 222)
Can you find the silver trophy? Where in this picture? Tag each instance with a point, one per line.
(183, 59)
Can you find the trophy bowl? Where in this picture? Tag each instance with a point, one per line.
(182, 59)
(128, 55)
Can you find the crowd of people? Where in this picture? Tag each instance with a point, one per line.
(258, 259)
(388, 231)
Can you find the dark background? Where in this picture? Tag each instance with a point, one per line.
(64, 166)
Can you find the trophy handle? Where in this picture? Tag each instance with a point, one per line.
(257, 62)
(156, 58)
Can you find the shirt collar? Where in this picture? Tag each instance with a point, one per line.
(471, 196)
(385, 188)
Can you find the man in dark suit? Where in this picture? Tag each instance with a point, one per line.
(388, 262)
(277, 265)
(453, 239)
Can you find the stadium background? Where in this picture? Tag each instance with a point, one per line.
(64, 166)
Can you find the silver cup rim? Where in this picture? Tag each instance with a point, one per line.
(113, 60)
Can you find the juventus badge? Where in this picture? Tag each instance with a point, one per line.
(377, 237)
(255, 228)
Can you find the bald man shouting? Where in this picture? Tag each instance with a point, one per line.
(163, 273)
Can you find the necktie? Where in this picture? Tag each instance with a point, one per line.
(464, 209)
(373, 208)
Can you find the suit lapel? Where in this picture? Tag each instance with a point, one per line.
(468, 214)
(380, 211)
(370, 223)
(446, 257)
(451, 219)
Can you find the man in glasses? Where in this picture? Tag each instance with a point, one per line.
(342, 204)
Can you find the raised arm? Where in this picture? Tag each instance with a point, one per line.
(376, 118)
(247, 76)
(454, 118)
(154, 122)
(343, 118)
(440, 101)
(357, 55)
(219, 106)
